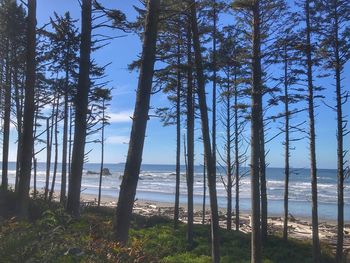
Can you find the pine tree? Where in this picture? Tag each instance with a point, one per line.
(232, 61)
(215, 239)
(335, 45)
(309, 61)
(28, 117)
(81, 105)
(137, 137)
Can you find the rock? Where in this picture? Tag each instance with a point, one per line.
(91, 172)
(105, 171)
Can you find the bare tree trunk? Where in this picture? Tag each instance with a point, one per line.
(137, 137)
(313, 168)
(28, 118)
(237, 161)
(228, 155)
(204, 189)
(215, 240)
(262, 172)
(81, 107)
(35, 176)
(286, 155)
(341, 124)
(33, 154)
(178, 137)
(19, 115)
(48, 156)
(102, 152)
(70, 142)
(256, 253)
(52, 191)
(214, 83)
(65, 141)
(7, 113)
(190, 141)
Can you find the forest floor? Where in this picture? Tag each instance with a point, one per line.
(51, 235)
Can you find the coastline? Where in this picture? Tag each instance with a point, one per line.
(299, 227)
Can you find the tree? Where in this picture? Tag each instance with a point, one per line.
(12, 31)
(286, 56)
(309, 61)
(81, 105)
(232, 61)
(28, 117)
(335, 45)
(215, 239)
(104, 96)
(137, 136)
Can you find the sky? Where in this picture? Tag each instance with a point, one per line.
(160, 141)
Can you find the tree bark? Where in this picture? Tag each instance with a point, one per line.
(137, 137)
(215, 235)
(48, 156)
(102, 152)
(204, 189)
(7, 113)
(228, 156)
(19, 116)
(340, 141)
(178, 138)
(65, 141)
(286, 154)
(52, 191)
(237, 161)
(262, 172)
(190, 141)
(214, 83)
(81, 107)
(28, 118)
(313, 168)
(256, 253)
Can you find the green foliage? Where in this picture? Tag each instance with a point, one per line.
(56, 237)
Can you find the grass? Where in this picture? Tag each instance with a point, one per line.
(51, 235)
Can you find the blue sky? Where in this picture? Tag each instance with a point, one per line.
(160, 141)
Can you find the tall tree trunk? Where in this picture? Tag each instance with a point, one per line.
(81, 107)
(19, 115)
(70, 142)
(215, 240)
(52, 191)
(137, 137)
(214, 83)
(178, 137)
(228, 156)
(33, 154)
(313, 168)
(28, 118)
(7, 113)
(35, 165)
(102, 152)
(204, 189)
(340, 142)
(190, 141)
(48, 156)
(65, 141)
(237, 161)
(286, 154)
(256, 253)
(262, 172)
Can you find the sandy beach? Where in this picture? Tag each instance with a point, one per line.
(299, 228)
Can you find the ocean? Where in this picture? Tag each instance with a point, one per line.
(157, 183)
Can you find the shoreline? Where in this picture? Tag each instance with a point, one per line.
(107, 200)
(299, 228)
